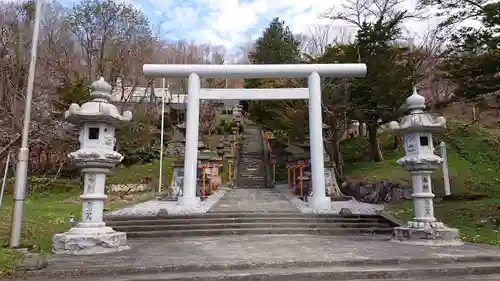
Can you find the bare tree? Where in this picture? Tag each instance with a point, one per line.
(356, 12)
(318, 37)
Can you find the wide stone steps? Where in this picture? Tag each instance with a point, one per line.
(251, 177)
(334, 273)
(249, 225)
(258, 231)
(390, 270)
(251, 165)
(241, 223)
(243, 220)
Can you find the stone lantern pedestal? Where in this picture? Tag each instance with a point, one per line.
(420, 160)
(175, 189)
(95, 157)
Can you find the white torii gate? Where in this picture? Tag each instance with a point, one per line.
(318, 200)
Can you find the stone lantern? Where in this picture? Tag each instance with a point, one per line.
(201, 146)
(417, 128)
(237, 117)
(97, 120)
(228, 155)
(220, 149)
(175, 189)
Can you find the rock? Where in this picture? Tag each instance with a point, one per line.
(130, 197)
(345, 211)
(397, 194)
(33, 261)
(370, 198)
(385, 188)
(407, 192)
(350, 189)
(113, 198)
(388, 197)
(363, 191)
(379, 192)
(162, 213)
(128, 188)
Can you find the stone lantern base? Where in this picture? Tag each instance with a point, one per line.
(432, 234)
(89, 241)
(175, 189)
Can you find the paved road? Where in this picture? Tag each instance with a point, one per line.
(260, 250)
(254, 200)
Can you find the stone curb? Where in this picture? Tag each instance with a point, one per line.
(465, 269)
(394, 221)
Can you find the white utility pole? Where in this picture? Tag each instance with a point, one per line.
(4, 181)
(446, 177)
(23, 156)
(160, 177)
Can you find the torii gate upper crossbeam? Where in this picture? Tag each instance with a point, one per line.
(255, 70)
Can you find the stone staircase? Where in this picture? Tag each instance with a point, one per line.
(251, 164)
(247, 222)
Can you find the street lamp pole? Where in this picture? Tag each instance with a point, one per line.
(23, 156)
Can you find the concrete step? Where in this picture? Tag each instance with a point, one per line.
(481, 271)
(435, 267)
(156, 227)
(244, 214)
(249, 181)
(254, 185)
(246, 220)
(259, 231)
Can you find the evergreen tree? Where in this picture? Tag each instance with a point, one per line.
(277, 45)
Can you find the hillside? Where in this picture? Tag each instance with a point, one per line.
(474, 205)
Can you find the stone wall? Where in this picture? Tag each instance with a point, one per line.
(379, 192)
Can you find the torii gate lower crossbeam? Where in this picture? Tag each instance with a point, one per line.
(318, 200)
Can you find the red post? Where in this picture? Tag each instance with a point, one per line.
(217, 174)
(203, 167)
(211, 179)
(289, 181)
(294, 179)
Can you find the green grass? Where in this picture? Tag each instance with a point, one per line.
(475, 219)
(47, 212)
(473, 169)
(142, 173)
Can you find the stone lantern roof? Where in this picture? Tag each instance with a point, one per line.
(99, 109)
(417, 120)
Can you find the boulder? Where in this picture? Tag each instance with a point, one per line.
(378, 192)
(33, 261)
